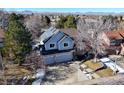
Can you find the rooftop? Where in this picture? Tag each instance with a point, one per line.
(119, 34)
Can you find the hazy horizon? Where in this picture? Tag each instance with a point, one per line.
(68, 10)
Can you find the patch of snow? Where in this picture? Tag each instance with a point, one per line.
(105, 59)
(108, 62)
(40, 73)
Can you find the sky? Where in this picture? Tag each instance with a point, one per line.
(71, 10)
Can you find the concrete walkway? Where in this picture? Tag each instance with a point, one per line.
(81, 76)
(89, 72)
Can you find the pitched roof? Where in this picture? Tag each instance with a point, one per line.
(47, 34)
(57, 36)
(70, 32)
(115, 34)
(65, 37)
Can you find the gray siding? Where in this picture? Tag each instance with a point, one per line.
(64, 57)
(67, 40)
(58, 58)
(53, 40)
(48, 59)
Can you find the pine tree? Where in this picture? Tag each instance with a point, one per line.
(70, 23)
(66, 22)
(17, 40)
(60, 23)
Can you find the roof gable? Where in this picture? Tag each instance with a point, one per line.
(53, 34)
(56, 37)
(65, 37)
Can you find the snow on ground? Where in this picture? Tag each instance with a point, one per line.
(112, 65)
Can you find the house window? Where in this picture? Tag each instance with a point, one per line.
(115, 42)
(65, 44)
(52, 45)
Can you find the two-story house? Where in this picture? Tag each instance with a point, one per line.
(55, 46)
(111, 41)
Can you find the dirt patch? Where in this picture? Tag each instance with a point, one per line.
(61, 74)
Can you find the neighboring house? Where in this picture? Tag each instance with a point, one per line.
(55, 45)
(112, 40)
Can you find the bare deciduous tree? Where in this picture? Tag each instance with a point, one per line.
(89, 29)
(35, 60)
(35, 23)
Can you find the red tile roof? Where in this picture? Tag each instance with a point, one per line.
(115, 34)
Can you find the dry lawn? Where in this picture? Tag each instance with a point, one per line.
(95, 65)
(15, 71)
(105, 72)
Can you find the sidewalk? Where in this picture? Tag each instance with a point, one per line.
(89, 72)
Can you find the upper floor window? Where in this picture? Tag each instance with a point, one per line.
(52, 45)
(65, 44)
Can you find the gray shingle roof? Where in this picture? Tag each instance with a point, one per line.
(47, 34)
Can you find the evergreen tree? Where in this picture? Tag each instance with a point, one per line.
(17, 40)
(60, 23)
(70, 23)
(47, 20)
(66, 22)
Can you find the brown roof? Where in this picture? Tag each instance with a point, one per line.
(2, 33)
(115, 34)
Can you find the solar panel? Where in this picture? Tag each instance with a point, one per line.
(47, 34)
